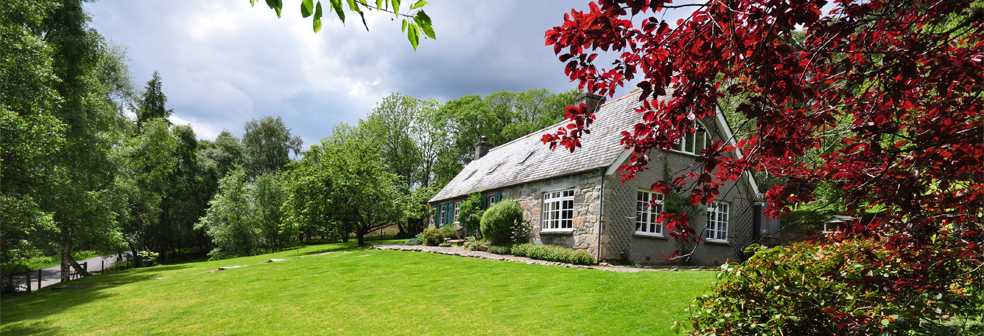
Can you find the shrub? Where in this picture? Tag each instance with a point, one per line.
(447, 231)
(553, 253)
(431, 237)
(499, 220)
(414, 241)
(470, 214)
(852, 287)
(498, 249)
(521, 250)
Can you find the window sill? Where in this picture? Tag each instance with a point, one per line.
(557, 231)
(648, 236)
(716, 241)
(698, 154)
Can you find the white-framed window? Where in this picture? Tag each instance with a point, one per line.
(491, 201)
(558, 210)
(647, 213)
(457, 205)
(693, 143)
(718, 217)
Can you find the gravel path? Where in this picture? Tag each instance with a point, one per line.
(460, 251)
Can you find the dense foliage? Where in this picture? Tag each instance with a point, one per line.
(853, 287)
(498, 221)
(552, 253)
(431, 237)
(92, 161)
(470, 214)
(879, 100)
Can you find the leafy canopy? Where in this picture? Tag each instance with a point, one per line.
(891, 91)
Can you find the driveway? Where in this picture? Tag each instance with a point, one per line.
(52, 275)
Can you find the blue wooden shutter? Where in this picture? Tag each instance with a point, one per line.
(498, 197)
(483, 202)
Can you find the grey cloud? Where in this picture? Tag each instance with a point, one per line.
(224, 63)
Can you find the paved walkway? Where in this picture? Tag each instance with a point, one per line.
(52, 275)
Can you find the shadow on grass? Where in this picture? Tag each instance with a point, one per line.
(333, 247)
(36, 328)
(27, 314)
(338, 247)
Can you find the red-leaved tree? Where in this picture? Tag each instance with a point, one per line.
(888, 91)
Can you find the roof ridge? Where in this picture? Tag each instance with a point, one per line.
(563, 121)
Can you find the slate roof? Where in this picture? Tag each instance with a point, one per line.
(508, 164)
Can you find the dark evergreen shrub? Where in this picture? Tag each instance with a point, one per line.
(499, 220)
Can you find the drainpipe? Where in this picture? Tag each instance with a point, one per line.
(601, 210)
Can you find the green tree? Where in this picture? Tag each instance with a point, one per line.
(270, 194)
(84, 210)
(31, 135)
(309, 205)
(226, 152)
(149, 164)
(267, 145)
(185, 197)
(232, 219)
(152, 102)
(363, 193)
(501, 116)
(411, 139)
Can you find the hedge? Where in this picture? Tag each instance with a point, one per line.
(553, 253)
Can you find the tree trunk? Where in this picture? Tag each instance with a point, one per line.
(137, 259)
(68, 261)
(78, 268)
(63, 249)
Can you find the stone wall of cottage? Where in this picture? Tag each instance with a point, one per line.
(587, 208)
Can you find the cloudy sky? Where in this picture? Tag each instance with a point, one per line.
(224, 63)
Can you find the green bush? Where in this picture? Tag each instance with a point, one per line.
(431, 237)
(470, 214)
(497, 249)
(499, 220)
(851, 287)
(553, 253)
(447, 231)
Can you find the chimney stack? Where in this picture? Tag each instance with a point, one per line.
(591, 100)
(482, 147)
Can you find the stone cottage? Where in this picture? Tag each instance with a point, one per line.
(577, 200)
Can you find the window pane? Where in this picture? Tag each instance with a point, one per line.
(701, 142)
(689, 143)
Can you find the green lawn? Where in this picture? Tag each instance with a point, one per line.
(359, 292)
